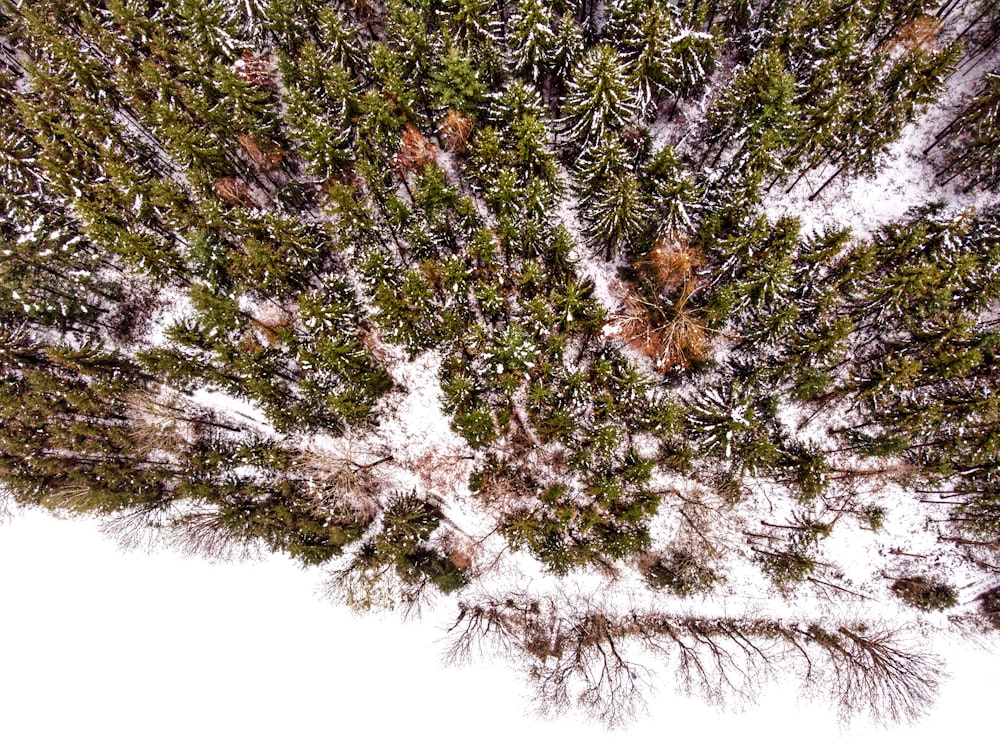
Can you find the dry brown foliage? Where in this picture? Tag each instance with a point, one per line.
(153, 417)
(234, 192)
(365, 10)
(267, 159)
(345, 473)
(461, 557)
(455, 131)
(271, 319)
(161, 417)
(441, 471)
(663, 324)
(346, 181)
(456, 544)
(255, 69)
(704, 522)
(672, 335)
(274, 316)
(634, 138)
(671, 263)
(250, 344)
(920, 34)
(415, 151)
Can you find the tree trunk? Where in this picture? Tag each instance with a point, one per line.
(826, 184)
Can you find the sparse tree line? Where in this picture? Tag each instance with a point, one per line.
(302, 188)
(575, 653)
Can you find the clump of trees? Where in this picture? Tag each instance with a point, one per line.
(557, 207)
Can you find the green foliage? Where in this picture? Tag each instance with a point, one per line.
(681, 573)
(306, 536)
(599, 98)
(873, 515)
(313, 192)
(565, 530)
(925, 594)
(455, 84)
(407, 524)
(531, 38)
(66, 440)
(731, 422)
(758, 107)
(787, 567)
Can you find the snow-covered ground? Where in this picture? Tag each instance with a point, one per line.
(905, 179)
(121, 645)
(121, 650)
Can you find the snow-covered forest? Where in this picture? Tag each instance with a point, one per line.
(657, 341)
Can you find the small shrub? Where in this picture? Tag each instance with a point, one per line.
(989, 606)
(257, 70)
(264, 157)
(924, 594)
(672, 333)
(671, 264)
(414, 152)
(456, 128)
(476, 425)
(235, 193)
(785, 568)
(874, 515)
(680, 572)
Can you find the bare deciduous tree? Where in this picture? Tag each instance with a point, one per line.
(577, 655)
(487, 628)
(201, 534)
(869, 670)
(140, 527)
(345, 472)
(363, 583)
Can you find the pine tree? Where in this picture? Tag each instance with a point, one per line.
(599, 98)
(757, 110)
(530, 39)
(972, 155)
(672, 193)
(208, 25)
(617, 215)
(455, 85)
(475, 23)
(691, 61)
(923, 364)
(567, 49)
(67, 441)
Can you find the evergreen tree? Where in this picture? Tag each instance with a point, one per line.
(530, 39)
(67, 442)
(567, 48)
(319, 190)
(599, 98)
(975, 134)
(757, 110)
(617, 215)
